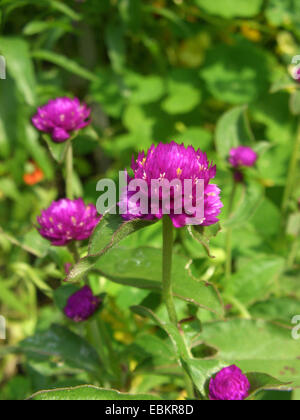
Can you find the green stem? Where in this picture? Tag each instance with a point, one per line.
(291, 174)
(293, 254)
(69, 172)
(72, 246)
(239, 306)
(229, 233)
(168, 241)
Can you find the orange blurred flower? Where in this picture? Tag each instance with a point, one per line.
(33, 174)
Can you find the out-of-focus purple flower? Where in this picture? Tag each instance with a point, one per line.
(297, 74)
(230, 384)
(68, 220)
(82, 305)
(60, 117)
(242, 156)
(176, 162)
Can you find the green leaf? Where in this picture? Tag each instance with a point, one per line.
(106, 90)
(284, 12)
(64, 62)
(238, 73)
(142, 268)
(184, 92)
(231, 8)
(233, 129)
(276, 309)
(255, 281)
(116, 46)
(203, 235)
(111, 230)
(20, 67)
(9, 299)
(252, 197)
(144, 89)
(138, 122)
(261, 381)
(171, 16)
(58, 150)
(196, 137)
(65, 9)
(60, 343)
(37, 27)
(256, 346)
(201, 371)
(89, 393)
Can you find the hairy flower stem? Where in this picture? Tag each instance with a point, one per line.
(229, 233)
(168, 240)
(72, 246)
(69, 171)
(291, 174)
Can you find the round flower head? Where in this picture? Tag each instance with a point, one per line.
(230, 384)
(174, 162)
(60, 117)
(68, 220)
(242, 156)
(82, 305)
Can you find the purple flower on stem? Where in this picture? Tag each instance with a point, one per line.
(82, 305)
(230, 384)
(242, 156)
(176, 162)
(60, 117)
(68, 220)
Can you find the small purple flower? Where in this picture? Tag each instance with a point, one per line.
(176, 162)
(60, 117)
(230, 384)
(68, 220)
(82, 305)
(242, 156)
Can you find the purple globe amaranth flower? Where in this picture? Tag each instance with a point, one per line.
(242, 156)
(60, 117)
(175, 162)
(230, 384)
(82, 305)
(68, 220)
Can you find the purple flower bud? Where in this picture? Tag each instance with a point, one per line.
(82, 305)
(176, 162)
(242, 156)
(230, 384)
(60, 117)
(68, 220)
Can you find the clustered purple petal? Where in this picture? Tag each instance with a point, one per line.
(60, 117)
(82, 305)
(68, 220)
(230, 384)
(242, 156)
(172, 162)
